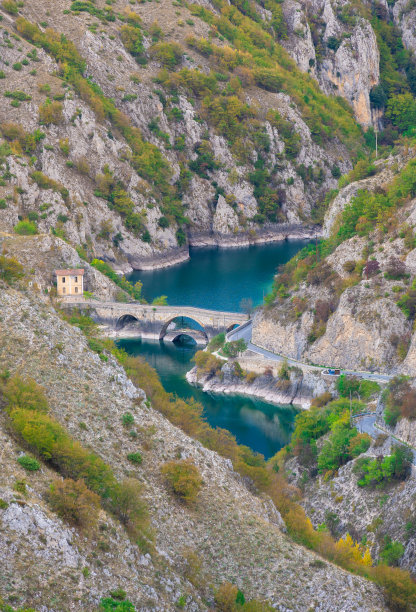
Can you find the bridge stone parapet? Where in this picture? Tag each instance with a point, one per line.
(154, 321)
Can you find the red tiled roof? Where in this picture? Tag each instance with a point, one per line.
(75, 272)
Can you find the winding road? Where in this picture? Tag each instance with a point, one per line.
(244, 332)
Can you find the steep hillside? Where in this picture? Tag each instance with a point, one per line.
(232, 136)
(349, 302)
(228, 534)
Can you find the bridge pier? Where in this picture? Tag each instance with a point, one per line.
(147, 321)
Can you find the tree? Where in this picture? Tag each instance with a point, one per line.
(127, 503)
(395, 268)
(25, 393)
(371, 268)
(10, 269)
(246, 305)
(391, 552)
(234, 348)
(162, 300)
(401, 110)
(207, 363)
(378, 97)
(336, 450)
(347, 385)
(284, 373)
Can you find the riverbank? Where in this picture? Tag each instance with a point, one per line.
(260, 390)
(264, 235)
(263, 380)
(279, 232)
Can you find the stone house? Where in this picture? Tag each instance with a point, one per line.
(70, 282)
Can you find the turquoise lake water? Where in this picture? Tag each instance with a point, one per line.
(219, 279)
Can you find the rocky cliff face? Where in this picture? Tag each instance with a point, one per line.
(404, 14)
(355, 322)
(87, 160)
(336, 45)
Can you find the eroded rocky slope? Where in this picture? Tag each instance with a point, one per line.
(234, 533)
(117, 208)
(352, 311)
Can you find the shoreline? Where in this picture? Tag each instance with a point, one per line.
(280, 233)
(262, 392)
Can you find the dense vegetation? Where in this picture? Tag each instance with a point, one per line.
(365, 213)
(382, 470)
(184, 478)
(343, 443)
(88, 480)
(146, 159)
(400, 400)
(258, 57)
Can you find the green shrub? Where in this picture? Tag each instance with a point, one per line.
(161, 300)
(355, 385)
(10, 269)
(111, 605)
(24, 393)
(268, 79)
(135, 458)
(184, 478)
(10, 6)
(119, 594)
(18, 95)
(339, 447)
(127, 419)
(132, 39)
(163, 222)
(382, 470)
(234, 348)
(391, 552)
(401, 110)
(168, 54)
(29, 463)
(74, 502)
(17, 66)
(26, 228)
(89, 7)
(134, 290)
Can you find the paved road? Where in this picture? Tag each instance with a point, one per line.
(367, 424)
(246, 331)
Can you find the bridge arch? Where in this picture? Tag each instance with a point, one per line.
(231, 327)
(126, 319)
(181, 325)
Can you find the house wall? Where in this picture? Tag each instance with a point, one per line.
(72, 285)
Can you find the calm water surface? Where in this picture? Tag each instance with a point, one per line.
(263, 427)
(219, 279)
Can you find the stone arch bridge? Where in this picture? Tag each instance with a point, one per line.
(158, 322)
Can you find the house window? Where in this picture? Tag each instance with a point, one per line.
(63, 279)
(76, 279)
(63, 290)
(76, 289)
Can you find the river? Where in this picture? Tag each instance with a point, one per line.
(218, 279)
